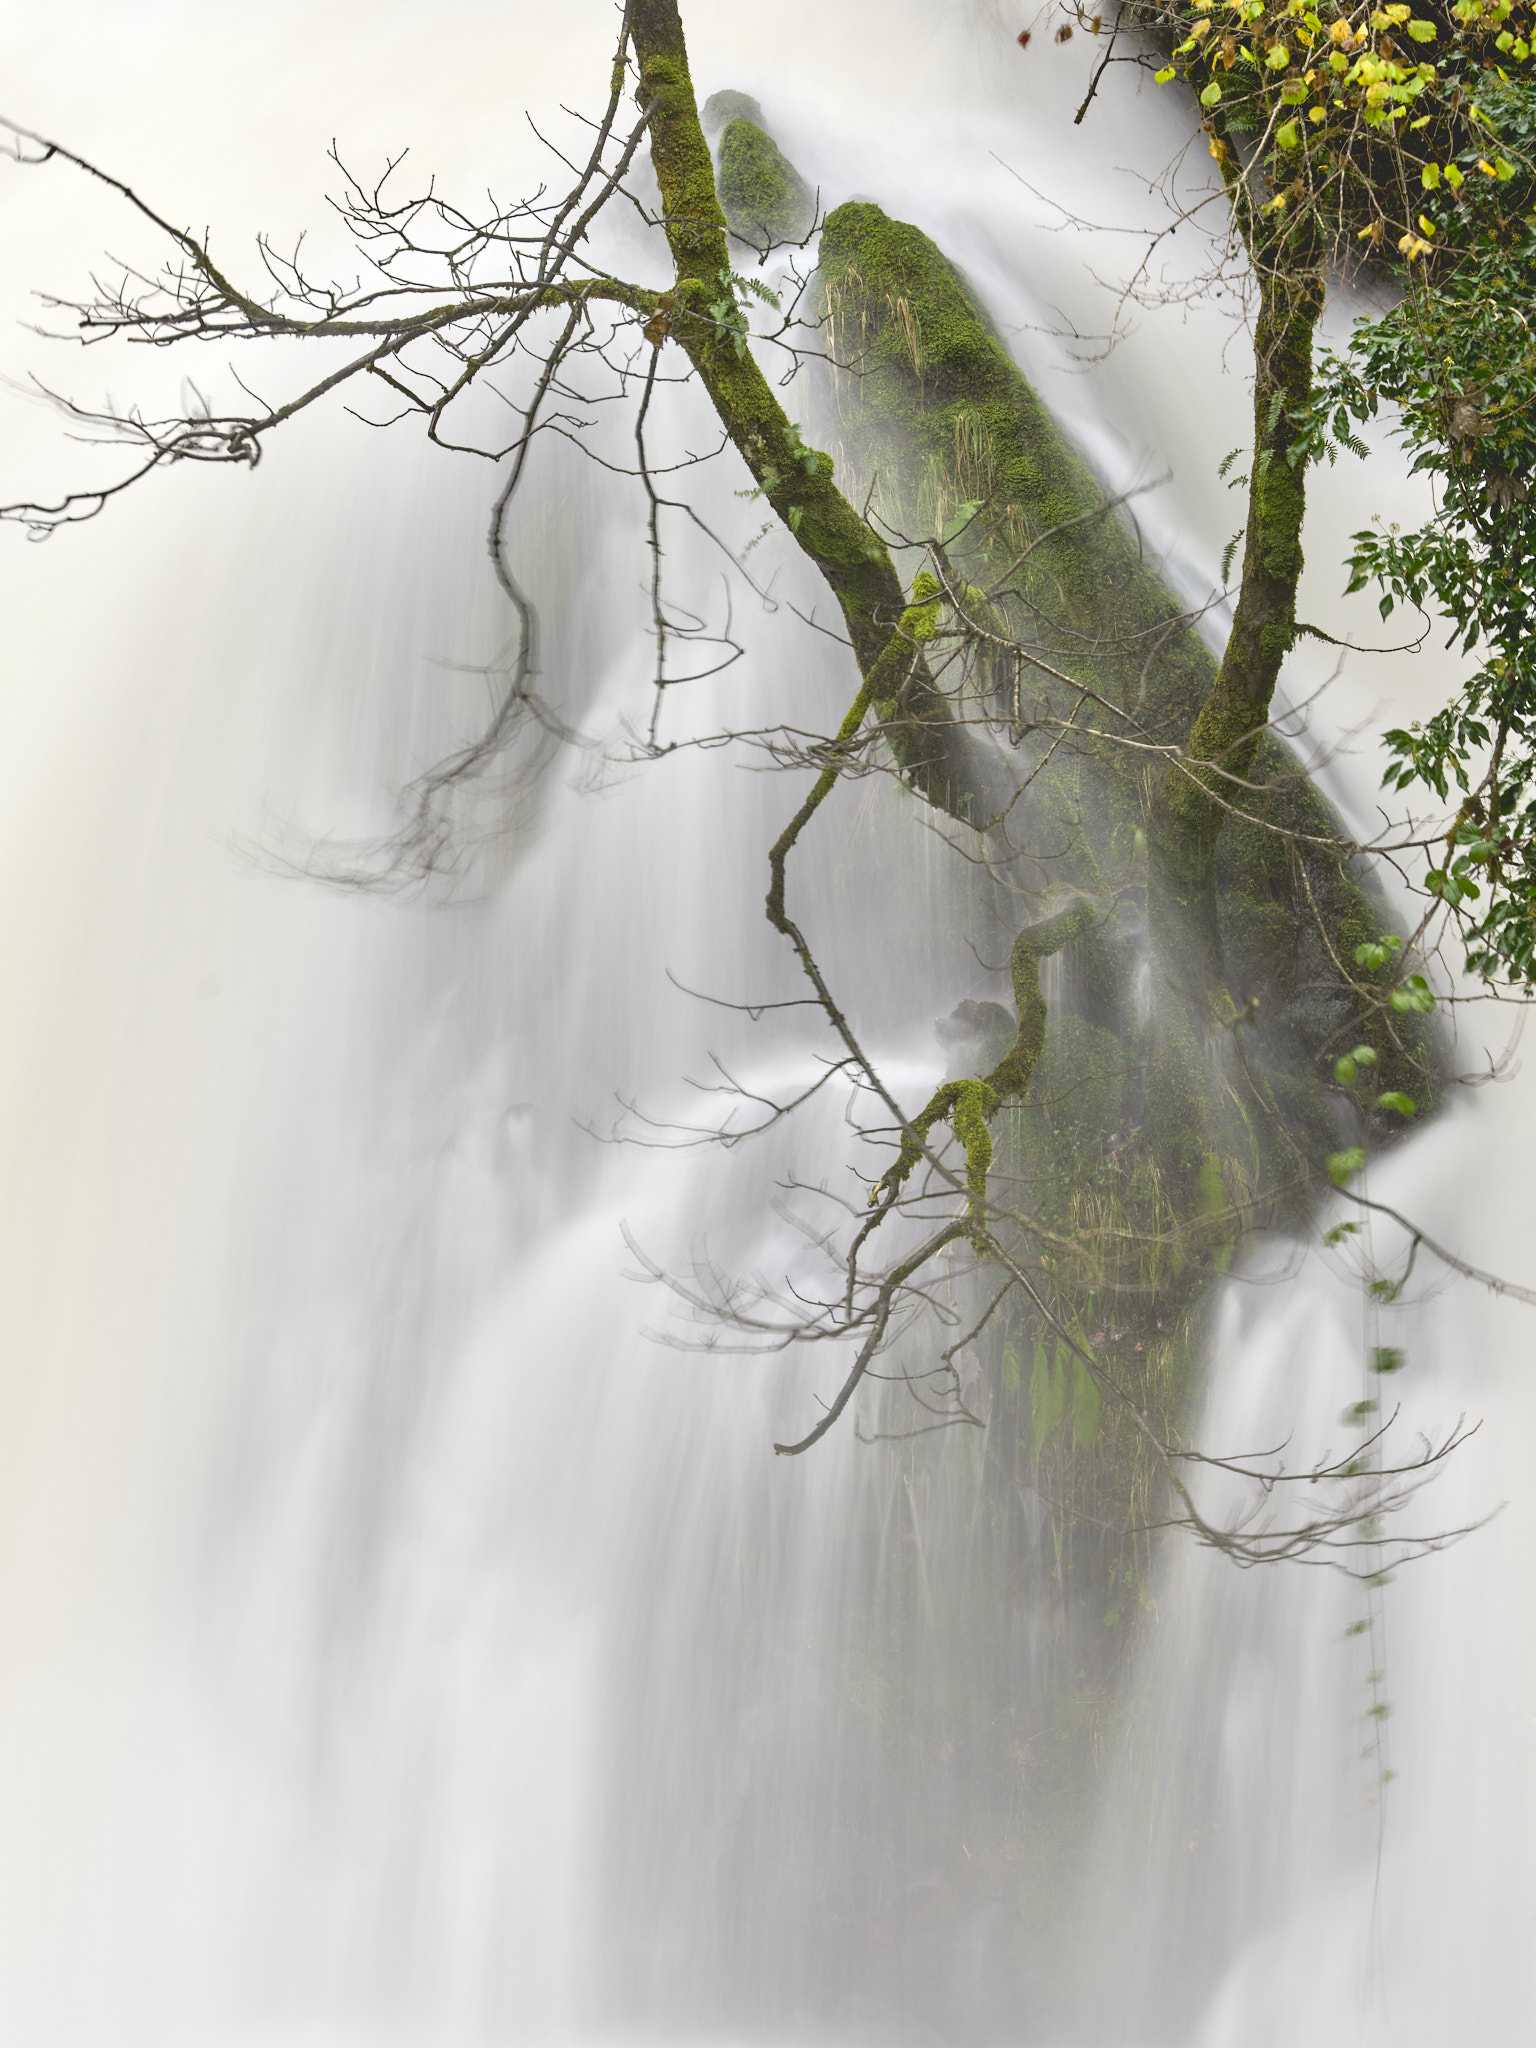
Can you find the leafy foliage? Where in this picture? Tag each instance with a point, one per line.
(728, 313)
(1456, 359)
(1355, 113)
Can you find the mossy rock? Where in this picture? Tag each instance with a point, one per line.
(1258, 941)
(942, 406)
(766, 201)
(942, 420)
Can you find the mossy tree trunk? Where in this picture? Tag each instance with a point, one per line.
(1197, 797)
(796, 481)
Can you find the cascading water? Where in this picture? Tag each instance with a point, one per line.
(403, 1647)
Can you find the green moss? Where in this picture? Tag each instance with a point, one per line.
(975, 1103)
(680, 157)
(1177, 1109)
(969, 1104)
(766, 200)
(1259, 946)
(1210, 1187)
(1077, 1099)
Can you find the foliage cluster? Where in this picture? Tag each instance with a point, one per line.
(1455, 359)
(1354, 112)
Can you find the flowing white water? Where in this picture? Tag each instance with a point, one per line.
(402, 1648)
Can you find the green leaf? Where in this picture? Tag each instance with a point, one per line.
(1377, 952)
(1345, 1071)
(1399, 1103)
(1415, 998)
(1165, 74)
(1211, 96)
(1429, 177)
(1343, 1166)
(1387, 1358)
(1288, 135)
(1422, 31)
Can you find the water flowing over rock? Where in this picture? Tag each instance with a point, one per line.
(407, 1649)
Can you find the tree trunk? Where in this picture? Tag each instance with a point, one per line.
(940, 759)
(1224, 738)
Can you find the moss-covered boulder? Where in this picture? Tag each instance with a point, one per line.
(766, 201)
(1163, 1120)
(940, 420)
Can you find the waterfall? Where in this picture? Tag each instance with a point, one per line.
(405, 1645)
